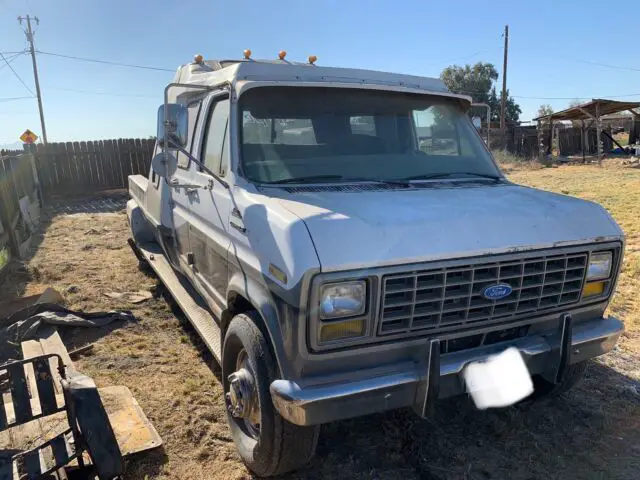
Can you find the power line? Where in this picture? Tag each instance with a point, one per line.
(598, 64)
(466, 57)
(17, 76)
(112, 94)
(11, 59)
(107, 62)
(624, 95)
(14, 98)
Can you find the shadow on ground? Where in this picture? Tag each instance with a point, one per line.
(110, 201)
(591, 432)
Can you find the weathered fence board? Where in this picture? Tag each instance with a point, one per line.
(19, 206)
(521, 141)
(85, 167)
(570, 141)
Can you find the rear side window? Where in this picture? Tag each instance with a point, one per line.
(363, 125)
(194, 112)
(281, 131)
(215, 135)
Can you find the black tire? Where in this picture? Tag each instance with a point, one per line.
(280, 445)
(544, 390)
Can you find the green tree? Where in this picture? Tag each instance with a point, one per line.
(512, 109)
(574, 103)
(544, 110)
(478, 81)
(475, 80)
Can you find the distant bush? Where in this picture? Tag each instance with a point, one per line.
(502, 156)
(510, 162)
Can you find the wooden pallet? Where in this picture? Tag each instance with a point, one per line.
(49, 435)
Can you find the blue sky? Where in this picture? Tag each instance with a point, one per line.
(549, 44)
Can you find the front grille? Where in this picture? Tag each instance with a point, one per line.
(436, 299)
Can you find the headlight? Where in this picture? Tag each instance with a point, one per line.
(599, 266)
(342, 299)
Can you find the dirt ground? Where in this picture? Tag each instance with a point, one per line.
(592, 433)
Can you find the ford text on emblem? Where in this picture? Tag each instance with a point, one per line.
(496, 292)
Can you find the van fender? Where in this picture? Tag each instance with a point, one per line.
(263, 301)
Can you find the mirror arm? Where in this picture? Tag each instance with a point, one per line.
(200, 164)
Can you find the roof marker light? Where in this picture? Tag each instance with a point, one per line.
(312, 59)
(198, 59)
(247, 54)
(282, 54)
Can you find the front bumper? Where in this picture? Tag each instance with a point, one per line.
(420, 384)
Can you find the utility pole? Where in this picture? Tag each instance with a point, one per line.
(503, 103)
(29, 33)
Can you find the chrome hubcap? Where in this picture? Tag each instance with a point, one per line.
(242, 399)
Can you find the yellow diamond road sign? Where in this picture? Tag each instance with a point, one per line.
(28, 137)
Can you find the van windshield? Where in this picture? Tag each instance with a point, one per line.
(315, 135)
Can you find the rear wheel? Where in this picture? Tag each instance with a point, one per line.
(266, 442)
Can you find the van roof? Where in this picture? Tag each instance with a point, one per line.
(238, 73)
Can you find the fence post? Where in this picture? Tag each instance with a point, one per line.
(36, 177)
(6, 197)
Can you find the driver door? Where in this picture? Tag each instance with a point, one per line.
(209, 208)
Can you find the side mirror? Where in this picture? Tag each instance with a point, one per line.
(164, 164)
(174, 129)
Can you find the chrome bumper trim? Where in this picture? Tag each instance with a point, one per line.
(321, 400)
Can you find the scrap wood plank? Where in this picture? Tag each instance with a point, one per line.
(133, 430)
(48, 341)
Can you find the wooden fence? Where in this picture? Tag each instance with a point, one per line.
(19, 206)
(84, 167)
(570, 141)
(521, 141)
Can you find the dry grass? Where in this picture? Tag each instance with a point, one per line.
(594, 432)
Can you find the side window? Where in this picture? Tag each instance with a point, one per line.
(215, 135)
(155, 178)
(281, 131)
(363, 125)
(194, 111)
(437, 134)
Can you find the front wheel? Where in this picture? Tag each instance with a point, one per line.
(545, 390)
(267, 443)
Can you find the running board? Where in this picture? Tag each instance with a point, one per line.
(186, 297)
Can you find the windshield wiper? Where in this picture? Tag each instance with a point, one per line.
(340, 178)
(429, 176)
(309, 179)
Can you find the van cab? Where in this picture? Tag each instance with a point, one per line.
(345, 244)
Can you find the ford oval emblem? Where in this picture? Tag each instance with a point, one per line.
(496, 292)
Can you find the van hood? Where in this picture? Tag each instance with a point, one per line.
(363, 229)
